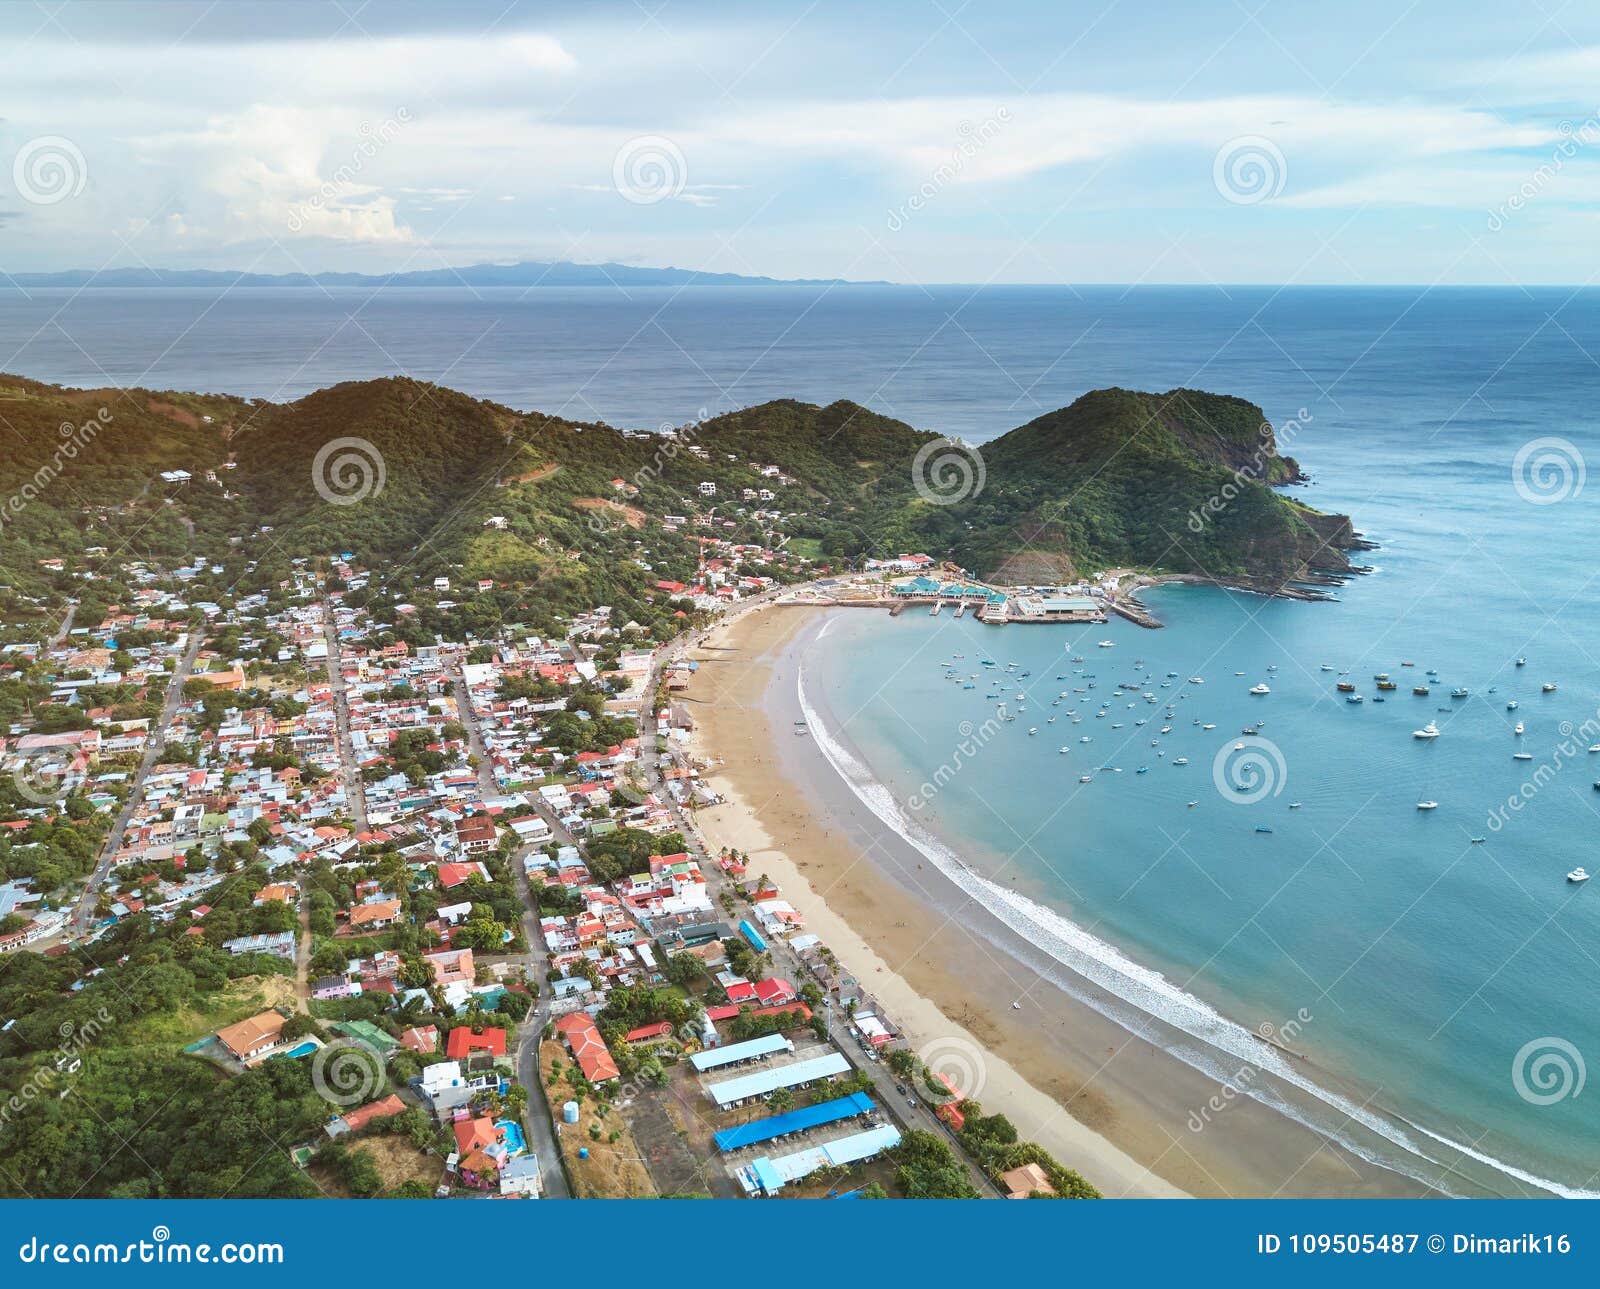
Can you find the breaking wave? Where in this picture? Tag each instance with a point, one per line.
(1145, 994)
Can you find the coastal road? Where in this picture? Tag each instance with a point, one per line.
(349, 773)
(910, 1110)
(537, 1121)
(84, 910)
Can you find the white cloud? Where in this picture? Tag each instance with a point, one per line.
(283, 172)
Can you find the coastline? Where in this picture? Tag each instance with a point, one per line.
(1109, 1102)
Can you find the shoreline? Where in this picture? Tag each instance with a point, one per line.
(1103, 1098)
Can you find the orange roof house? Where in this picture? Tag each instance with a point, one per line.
(475, 1134)
(359, 1118)
(279, 891)
(231, 680)
(378, 913)
(253, 1035)
(1020, 1183)
(423, 1038)
(452, 966)
(588, 1049)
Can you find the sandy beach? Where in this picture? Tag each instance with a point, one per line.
(1108, 1102)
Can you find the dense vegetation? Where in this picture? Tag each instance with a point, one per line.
(563, 516)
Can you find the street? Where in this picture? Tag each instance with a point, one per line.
(537, 1121)
(158, 738)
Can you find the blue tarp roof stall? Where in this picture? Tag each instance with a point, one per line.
(751, 934)
(802, 1120)
(768, 1178)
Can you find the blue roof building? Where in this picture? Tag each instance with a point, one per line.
(802, 1120)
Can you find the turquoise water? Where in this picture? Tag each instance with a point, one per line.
(511, 1135)
(1425, 963)
(304, 1049)
(1402, 956)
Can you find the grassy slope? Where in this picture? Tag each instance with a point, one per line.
(1116, 478)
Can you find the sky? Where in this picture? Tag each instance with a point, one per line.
(931, 141)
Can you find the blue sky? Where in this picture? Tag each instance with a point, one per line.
(927, 142)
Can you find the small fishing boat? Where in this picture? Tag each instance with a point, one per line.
(1387, 684)
(1522, 756)
(1193, 804)
(1518, 729)
(1522, 662)
(1294, 805)
(1085, 778)
(1260, 689)
(1548, 687)
(1477, 841)
(1578, 875)
(1346, 687)
(1108, 644)
(1352, 698)
(1427, 805)
(1421, 691)
(1327, 666)
(1380, 675)
(1182, 760)
(1512, 705)
(1430, 730)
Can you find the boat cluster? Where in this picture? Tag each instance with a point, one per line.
(1079, 702)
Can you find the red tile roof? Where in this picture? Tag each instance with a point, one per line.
(360, 1118)
(463, 1042)
(589, 1050)
(424, 1038)
(475, 1134)
(776, 990)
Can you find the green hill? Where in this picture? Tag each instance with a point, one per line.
(429, 480)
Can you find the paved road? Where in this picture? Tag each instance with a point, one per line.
(912, 1112)
(537, 1121)
(84, 909)
(66, 626)
(349, 772)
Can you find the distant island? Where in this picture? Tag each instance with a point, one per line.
(524, 273)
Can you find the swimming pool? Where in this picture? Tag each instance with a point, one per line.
(305, 1049)
(511, 1135)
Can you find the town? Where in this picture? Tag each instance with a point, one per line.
(462, 883)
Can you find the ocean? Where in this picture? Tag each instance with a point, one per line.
(1446, 982)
